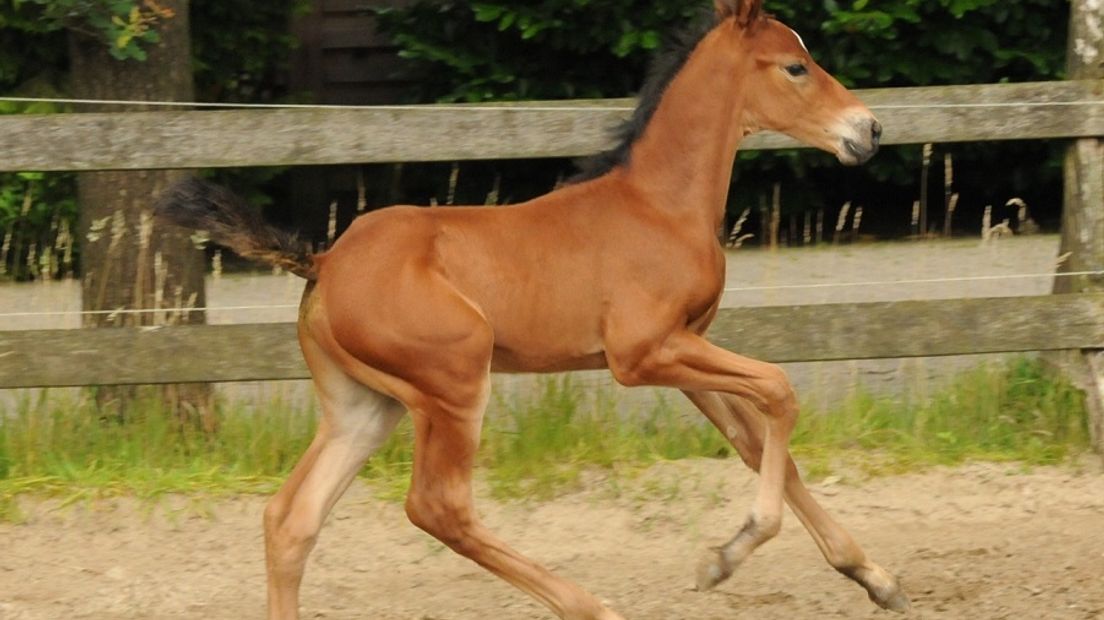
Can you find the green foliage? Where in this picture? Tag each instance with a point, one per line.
(517, 50)
(37, 212)
(241, 54)
(512, 49)
(242, 48)
(124, 26)
(32, 55)
(921, 42)
(509, 49)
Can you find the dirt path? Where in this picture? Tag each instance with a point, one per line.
(982, 541)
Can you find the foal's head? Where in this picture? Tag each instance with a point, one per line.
(788, 92)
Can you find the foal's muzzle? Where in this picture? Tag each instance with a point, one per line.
(859, 150)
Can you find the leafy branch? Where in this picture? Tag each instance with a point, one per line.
(124, 26)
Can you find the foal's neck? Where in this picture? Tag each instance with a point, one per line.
(683, 161)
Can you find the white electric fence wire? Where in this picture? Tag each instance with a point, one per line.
(144, 311)
(988, 278)
(823, 285)
(495, 108)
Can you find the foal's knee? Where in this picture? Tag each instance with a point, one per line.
(775, 394)
(274, 514)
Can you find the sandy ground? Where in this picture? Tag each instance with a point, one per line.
(980, 541)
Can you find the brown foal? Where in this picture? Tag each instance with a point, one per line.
(413, 308)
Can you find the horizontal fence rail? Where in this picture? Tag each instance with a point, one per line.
(284, 137)
(182, 354)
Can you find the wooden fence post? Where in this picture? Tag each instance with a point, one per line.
(1082, 246)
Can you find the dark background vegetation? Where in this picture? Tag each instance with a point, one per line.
(553, 49)
(510, 50)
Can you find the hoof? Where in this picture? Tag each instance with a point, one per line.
(883, 588)
(713, 569)
(895, 600)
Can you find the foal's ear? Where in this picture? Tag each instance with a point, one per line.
(747, 12)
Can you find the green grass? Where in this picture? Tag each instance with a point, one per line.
(533, 446)
(64, 447)
(543, 443)
(1021, 411)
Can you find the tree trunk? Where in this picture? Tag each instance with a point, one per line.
(128, 262)
(1083, 207)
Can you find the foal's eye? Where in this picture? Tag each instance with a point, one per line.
(797, 70)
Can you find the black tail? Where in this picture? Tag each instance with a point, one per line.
(231, 222)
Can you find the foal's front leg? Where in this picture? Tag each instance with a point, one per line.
(440, 502)
(687, 361)
(742, 425)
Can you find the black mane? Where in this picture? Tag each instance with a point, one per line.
(662, 71)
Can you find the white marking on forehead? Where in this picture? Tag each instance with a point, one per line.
(799, 39)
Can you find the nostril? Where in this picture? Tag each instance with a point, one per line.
(876, 130)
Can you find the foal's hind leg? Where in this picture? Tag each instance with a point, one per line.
(356, 421)
(743, 426)
(440, 502)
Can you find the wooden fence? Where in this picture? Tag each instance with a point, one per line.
(825, 332)
(284, 137)
(201, 139)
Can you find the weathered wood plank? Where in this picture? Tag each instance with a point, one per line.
(230, 138)
(780, 334)
(1082, 216)
(912, 328)
(121, 356)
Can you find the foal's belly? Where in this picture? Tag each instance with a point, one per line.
(546, 342)
(512, 361)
